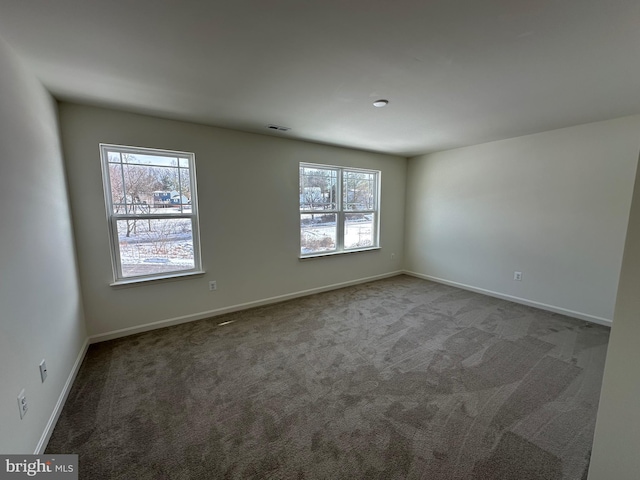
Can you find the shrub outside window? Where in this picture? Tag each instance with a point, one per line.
(338, 209)
(152, 211)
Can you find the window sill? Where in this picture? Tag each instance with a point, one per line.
(135, 282)
(343, 252)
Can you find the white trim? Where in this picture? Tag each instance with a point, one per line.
(123, 332)
(341, 252)
(113, 217)
(340, 211)
(551, 308)
(55, 415)
(136, 281)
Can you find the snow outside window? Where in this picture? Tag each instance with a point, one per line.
(152, 210)
(338, 209)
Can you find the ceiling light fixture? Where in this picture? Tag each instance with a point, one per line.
(380, 103)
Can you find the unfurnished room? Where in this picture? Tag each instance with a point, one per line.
(320, 240)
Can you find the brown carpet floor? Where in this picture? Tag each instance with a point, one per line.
(394, 379)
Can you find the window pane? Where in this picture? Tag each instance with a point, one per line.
(338, 209)
(358, 190)
(157, 184)
(149, 247)
(317, 233)
(184, 197)
(167, 184)
(358, 230)
(139, 184)
(117, 188)
(318, 188)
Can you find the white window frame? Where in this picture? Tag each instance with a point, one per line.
(340, 212)
(113, 217)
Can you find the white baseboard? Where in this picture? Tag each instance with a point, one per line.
(234, 308)
(543, 306)
(46, 435)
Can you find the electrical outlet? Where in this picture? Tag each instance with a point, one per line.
(43, 370)
(393, 255)
(213, 285)
(517, 276)
(22, 403)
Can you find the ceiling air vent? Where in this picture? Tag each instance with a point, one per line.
(278, 127)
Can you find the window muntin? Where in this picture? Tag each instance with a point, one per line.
(338, 209)
(151, 202)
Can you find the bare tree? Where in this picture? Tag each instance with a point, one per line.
(174, 178)
(358, 191)
(318, 190)
(132, 187)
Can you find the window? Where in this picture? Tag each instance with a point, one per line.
(152, 211)
(338, 209)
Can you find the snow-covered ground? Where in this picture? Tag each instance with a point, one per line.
(161, 245)
(158, 245)
(322, 237)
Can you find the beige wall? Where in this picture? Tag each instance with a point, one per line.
(552, 205)
(617, 436)
(248, 193)
(41, 309)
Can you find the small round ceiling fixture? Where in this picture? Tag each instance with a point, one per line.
(380, 103)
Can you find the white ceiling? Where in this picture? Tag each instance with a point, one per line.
(456, 72)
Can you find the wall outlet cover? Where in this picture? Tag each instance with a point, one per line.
(22, 404)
